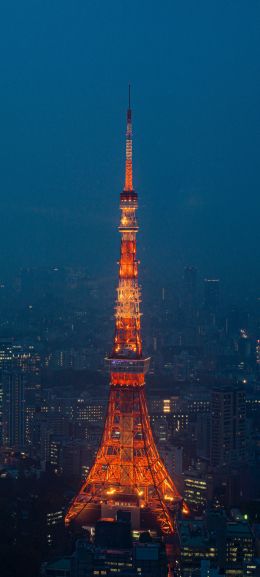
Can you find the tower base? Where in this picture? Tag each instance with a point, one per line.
(128, 470)
(141, 518)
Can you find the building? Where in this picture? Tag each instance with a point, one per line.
(173, 459)
(69, 457)
(115, 552)
(228, 426)
(206, 570)
(257, 351)
(211, 295)
(178, 422)
(197, 545)
(190, 294)
(240, 548)
(54, 520)
(6, 354)
(13, 409)
(196, 490)
(164, 405)
(203, 434)
(160, 427)
(6, 364)
(150, 559)
(177, 460)
(90, 411)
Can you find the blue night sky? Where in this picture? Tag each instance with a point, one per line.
(194, 66)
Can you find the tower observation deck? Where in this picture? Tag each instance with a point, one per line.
(128, 473)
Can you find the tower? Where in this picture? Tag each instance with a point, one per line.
(128, 476)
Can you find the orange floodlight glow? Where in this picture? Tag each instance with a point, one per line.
(111, 491)
(185, 509)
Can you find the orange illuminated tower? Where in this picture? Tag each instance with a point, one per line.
(128, 474)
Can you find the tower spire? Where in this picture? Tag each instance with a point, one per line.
(128, 161)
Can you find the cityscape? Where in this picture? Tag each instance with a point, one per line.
(204, 407)
(129, 393)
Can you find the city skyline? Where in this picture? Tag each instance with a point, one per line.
(130, 403)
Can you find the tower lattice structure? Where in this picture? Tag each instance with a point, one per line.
(128, 469)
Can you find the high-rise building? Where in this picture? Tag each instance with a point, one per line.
(190, 292)
(13, 409)
(203, 433)
(197, 544)
(6, 354)
(114, 552)
(177, 459)
(228, 426)
(128, 472)
(6, 363)
(240, 549)
(257, 350)
(211, 295)
(196, 490)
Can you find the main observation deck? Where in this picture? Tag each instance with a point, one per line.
(128, 365)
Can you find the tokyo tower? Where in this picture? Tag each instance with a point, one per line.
(128, 474)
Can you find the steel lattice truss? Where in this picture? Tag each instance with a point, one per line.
(127, 461)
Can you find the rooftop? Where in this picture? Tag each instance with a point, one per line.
(194, 534)
(238, 529)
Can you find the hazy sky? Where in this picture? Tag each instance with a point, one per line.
(194, 66)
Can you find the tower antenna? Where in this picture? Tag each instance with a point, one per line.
(129, 96)
(129, 160)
